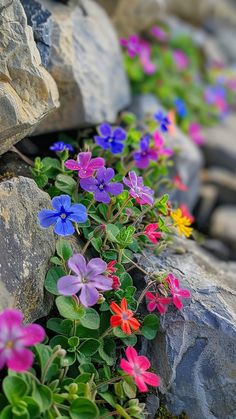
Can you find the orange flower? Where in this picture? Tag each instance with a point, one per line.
(123, 317)
(171, 127)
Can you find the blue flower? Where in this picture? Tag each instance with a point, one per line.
(180, 107)
(163, 121)
(61, 146)
(63, 213)
(109, 139)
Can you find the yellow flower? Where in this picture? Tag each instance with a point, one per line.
(181, 223)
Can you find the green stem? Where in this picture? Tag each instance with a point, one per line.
(106, 333)
(110, 381)
(48, 364)
(143, 293)
(91, 203)
(121, 209)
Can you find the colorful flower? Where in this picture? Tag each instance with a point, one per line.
(195, 133)
(14, 338)
(178, 184)
(163, 121)
(159, 145)
(137, 367)
(172, 118)
(142, 158)
(61, 146)
(62, 215)
(88, 279)
(186, 213)
(181, 223)
(109, 139)
(145, 58)
(123, 317)
(177, 292)
(132, 44)
(180, 59)
(110, 267)
(161, 303)
(115, 279)
(85, 165)
(159, 33)
(101, 186)
(180, 107)
(151, 233)
(143, 194)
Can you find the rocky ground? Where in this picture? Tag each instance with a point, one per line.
(61, 69)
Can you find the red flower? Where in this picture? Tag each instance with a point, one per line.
(137, 366)
(151, 233)
(179, 184)
(161, 303)
(115, 282)
(110, 267)
(123, 317)
(177, 293)
(186, 213)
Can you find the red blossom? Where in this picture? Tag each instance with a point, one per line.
(123, 317)
(177, 292)
(161, 303)
(151, 233)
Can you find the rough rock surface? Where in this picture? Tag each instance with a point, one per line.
(87, 66)
(194, 352)
(27, 91)
(220, 146)
(224, 183)
(25, 248)
(223, 223)
(189, 160)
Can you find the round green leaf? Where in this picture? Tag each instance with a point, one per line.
(89, 347)
(52, 277)
(14, 388)
(150, 326)
(69, 309)
(64, 249)
(83, 408)
(91, 319)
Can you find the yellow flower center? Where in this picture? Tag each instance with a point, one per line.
(9, 344)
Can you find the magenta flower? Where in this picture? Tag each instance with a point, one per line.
(159, 33)
(142, 194)
(159, 145)
(137, 367)
(180, 59)
(14, 338)
(88, 279)
(132, 44)
(176, 291)
(84, 164)
(145, 58)
(161, 303)
(142, 158)
(195, 133)
(101, 186)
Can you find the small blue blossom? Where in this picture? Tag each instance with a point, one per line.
(163, 121)
(109, 139)
(61, 146)
(180, 107)
(62, 215)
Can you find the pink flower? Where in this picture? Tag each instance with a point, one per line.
(159, 33)
(179, 184)
(177, 293)
(14, 338)
(110, 267)
(161, 303)
(186, 213)
(159, 145)
(137, 366)
(132, 44)
(84, 164)
(145, 58)
(151, 233)
(195, 133)
(181, 59)
(142, 194)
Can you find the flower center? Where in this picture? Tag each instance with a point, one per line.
(9, 344)
(137, 370)
(124, 316)
(63, 215)
(84, 280)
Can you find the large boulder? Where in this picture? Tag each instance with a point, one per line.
(27, 91)
(222, 225)
(194, 351)
(188, 161)
(86, 64)
(25, 248)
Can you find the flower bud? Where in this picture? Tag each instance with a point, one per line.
(101, 299)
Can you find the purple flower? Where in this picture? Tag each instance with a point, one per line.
(88, 279)
(143, 157)
(159, 33)
(14, 338)
(163, 121)
(101, 186)
(62, 215)
(132, 44)
(142, 194)
(109, 139)
(180, 107)
(180, 59)
(61, 146)
(145, 58)
(84, 164)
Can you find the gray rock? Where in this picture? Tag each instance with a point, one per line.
(39, 19)
(12, 165)
(189, 160)
(223, 223)
(224, 182)
(220, 145)
(194, 352)
(27, 91)
(152, 404)
(207, 201)
(25, 248)
(86, 64)
(217, 248)
(225, 36)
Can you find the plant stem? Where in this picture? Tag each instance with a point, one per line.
(142, 295)
(48, 364)
(107, 332)
(110, 381)
(121, 209)
(89, 206)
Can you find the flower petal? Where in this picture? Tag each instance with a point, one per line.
(184, 293)
(88, 295)
(132, 355)
(177, 302)
(95, 267)
(150, 296)
(151, 379)
(72, 164)
(21, 360)
(32, 334)
(69, 285)
(96, 163)
(143, 362)
(125, 366)
(151, 306)
(115, 188)
(11, 318)
(89, 184)
(115, 308)
(79, 214)
(105, 130)
(119, 134)
(61, 201)
(84, 158)
(115, 321)
(102, 142)
(64, 227)
(141, 384)
(47, 218)
(101, 196)
(77, 264)
(116, 147)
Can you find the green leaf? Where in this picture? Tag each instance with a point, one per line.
(107, 351)
(162, 204)
(41, 180)
(125, 280)
(14, 388)
(125, 236)
(91, 319)
(66, 184)
(43, 396)
(52, 277)
(150, 326)
(112, 231)
(69, 309)
(109, 255)
(64, 249)
(109, 397)
(56, 261)
(162, 226)
(89, 347)
(51, 166)
(73, 341)
(83, 408)
(129, 387)
(60, 326)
